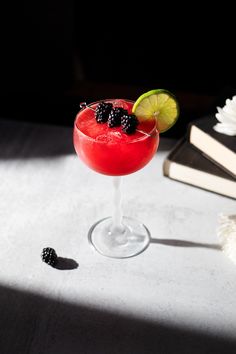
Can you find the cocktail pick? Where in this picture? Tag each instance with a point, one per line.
(84, 105)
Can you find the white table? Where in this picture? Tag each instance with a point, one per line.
(178, 296)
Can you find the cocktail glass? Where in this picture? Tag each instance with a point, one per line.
(112, 152)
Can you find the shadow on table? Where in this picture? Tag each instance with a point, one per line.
(167, 144)
(66, 263)
(184, 243)
(22, 140)
(34, 324)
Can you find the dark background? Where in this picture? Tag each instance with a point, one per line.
(55, 54)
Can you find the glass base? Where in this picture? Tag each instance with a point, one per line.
(126, 241)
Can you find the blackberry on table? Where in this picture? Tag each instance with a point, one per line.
(129, 123)
(49, 256)
(114, 119)
(102, 111)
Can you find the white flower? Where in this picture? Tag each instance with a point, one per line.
(227, 118)
(227, 235)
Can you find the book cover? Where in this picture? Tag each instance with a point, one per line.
(186, 164)
(219, 147)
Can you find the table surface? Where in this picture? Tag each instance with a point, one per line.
(178, 296)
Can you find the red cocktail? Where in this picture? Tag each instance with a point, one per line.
(109, 150)
(116, 150)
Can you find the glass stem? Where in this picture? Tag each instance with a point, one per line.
(117, 208)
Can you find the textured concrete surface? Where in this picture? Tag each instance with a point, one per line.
(178, 296)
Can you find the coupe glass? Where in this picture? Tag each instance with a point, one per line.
(116, 154)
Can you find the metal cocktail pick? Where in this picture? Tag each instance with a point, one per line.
(84, 105)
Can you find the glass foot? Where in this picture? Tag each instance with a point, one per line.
(123, 242)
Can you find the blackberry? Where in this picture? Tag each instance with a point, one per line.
(49, 256)
(102, 112)
(129, 123)
(114, 119)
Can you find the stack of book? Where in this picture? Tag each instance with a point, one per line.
(204, 158)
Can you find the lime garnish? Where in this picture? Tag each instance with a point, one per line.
(160, 105)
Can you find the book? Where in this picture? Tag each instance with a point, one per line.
(187, 164)
(219, 147)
